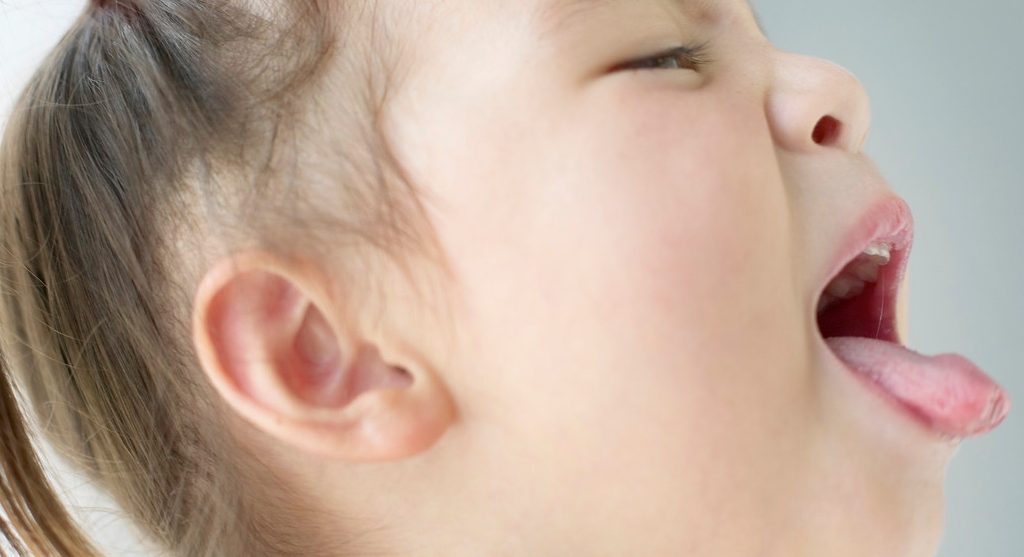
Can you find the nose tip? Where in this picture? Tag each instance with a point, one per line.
(814, 103)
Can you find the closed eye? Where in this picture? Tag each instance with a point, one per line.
(686, 57)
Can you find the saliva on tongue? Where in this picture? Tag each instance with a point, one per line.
(951, 394)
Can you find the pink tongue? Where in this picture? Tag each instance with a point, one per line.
(949, 392)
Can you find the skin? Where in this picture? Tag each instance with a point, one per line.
(636, 258)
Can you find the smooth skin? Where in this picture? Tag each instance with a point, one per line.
(636, 367)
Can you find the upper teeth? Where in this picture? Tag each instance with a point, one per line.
(862, 270)
(879, 252)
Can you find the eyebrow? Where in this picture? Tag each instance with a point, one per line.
(559, 13)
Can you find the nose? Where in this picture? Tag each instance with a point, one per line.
(814, 104)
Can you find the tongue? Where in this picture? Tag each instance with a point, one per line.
(947, 391)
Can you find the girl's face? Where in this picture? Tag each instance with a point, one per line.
(640, 253)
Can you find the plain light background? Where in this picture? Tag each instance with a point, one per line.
(946, 80)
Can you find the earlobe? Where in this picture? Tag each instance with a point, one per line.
(274, 346)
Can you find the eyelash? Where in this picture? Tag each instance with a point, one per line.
(695, 55)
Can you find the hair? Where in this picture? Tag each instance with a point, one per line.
(155, 133)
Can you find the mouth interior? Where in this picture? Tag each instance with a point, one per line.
(870, 314)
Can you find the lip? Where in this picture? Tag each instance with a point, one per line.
(888, 220)
(945, 396)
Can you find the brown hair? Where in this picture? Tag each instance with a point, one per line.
(134, 130)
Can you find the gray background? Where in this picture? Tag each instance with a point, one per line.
(946, 81)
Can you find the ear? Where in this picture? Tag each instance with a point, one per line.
(273, 343)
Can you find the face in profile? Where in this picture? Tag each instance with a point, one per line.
(656, 218)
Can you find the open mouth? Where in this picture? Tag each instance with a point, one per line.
(860, 300)
(856, 315)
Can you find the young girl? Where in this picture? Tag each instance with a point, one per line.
(460, 278)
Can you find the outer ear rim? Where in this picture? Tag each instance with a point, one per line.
(361, 430)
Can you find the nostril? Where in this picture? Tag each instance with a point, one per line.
(827, 130)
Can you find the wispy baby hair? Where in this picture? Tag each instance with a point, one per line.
(152, 127)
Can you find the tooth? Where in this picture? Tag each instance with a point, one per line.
(879, 252)
(856, 287)
(825, 301)
(866, 271)
(845, 287)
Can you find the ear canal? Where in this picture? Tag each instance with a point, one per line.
(370, 371)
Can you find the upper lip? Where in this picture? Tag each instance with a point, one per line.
(886, 221)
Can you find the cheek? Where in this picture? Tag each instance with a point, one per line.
(677, 199)
(661, 238)
(656, 258)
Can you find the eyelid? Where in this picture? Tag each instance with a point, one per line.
(696, 54)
